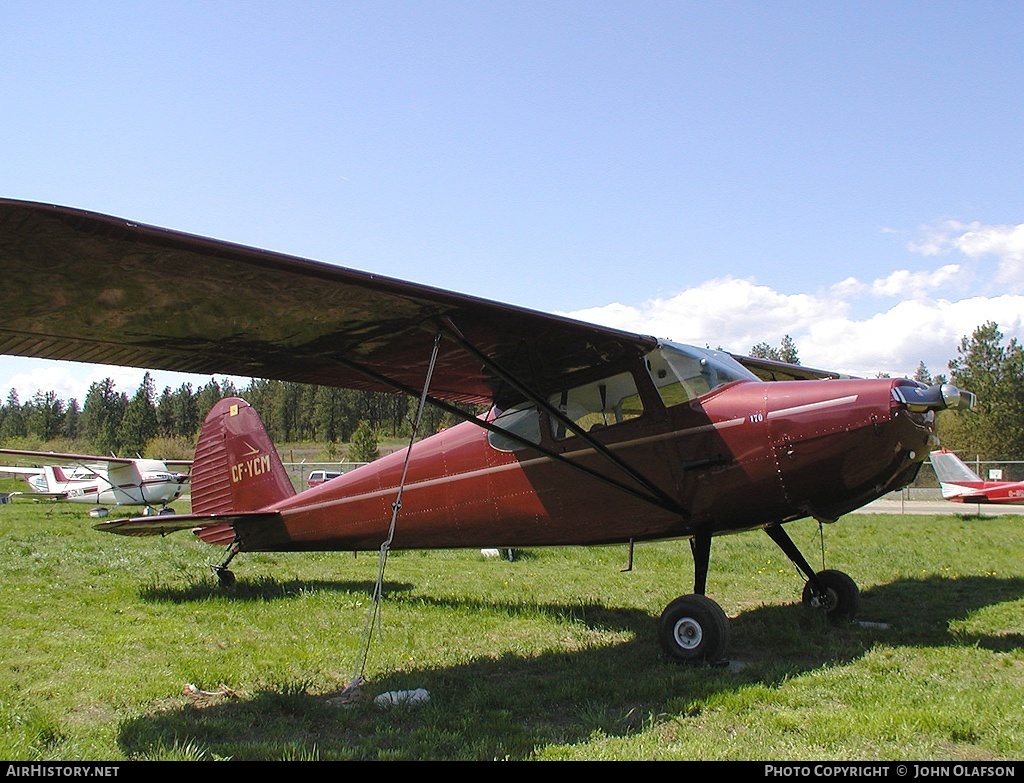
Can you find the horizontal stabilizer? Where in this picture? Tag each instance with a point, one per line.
(163, 524)
(37, 495)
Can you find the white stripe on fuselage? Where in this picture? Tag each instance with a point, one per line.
(812, 406)
(524, 464)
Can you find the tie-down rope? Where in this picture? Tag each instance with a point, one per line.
(373, 616)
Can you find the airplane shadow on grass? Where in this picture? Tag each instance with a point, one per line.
(509, 705)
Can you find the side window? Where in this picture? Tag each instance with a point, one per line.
(522, 421)
(671, 389)
(682, 372)
(604, 403)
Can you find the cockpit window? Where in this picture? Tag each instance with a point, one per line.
(683, 372)
(523, 420)
(592, 406)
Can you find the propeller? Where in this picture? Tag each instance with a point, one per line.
(938, 397)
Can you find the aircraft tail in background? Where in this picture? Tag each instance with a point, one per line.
(236, 467)
(960, 484)
(953, 474)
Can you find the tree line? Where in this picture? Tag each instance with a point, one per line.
(111, 422)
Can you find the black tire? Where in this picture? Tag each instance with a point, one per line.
(842, 596)
(693, 629)
(167, 510)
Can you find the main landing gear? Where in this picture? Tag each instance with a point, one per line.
(153, 511)
(225, 577)
(694, 629)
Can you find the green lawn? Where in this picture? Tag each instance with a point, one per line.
(552, 656)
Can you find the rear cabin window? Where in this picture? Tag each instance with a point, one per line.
(593, 406)
(590, 407)
(523, 420)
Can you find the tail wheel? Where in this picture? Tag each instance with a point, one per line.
(841, 598)
(693, 628)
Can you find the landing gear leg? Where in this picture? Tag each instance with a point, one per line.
(225, 577)
(693, 628)
(832, 592)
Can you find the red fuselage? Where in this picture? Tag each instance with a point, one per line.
(745, 455)
(1005, 492)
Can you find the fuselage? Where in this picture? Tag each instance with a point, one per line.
(981, 491)
(140, 482)
(722, 458)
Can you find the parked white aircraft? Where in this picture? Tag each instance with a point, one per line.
(960, 484)
(101, 481)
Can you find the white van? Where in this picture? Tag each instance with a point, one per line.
(318, 477)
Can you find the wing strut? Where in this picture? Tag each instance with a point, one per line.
(662, 498)
(659, 499)
(374, 614)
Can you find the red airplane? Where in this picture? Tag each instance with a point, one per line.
(960, 484)
(591, 436)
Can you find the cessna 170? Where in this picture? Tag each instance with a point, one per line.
(101, 481)
(960, 484)
(592, 435)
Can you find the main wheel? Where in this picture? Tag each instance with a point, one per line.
(693, 628)
(225, 577)
(841, 599)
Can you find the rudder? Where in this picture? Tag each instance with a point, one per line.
(236, 466)
(949, 468)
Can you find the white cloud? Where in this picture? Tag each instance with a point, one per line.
(738, 314)
(71, 380)
(976, 241)
(934, 311)
(912, 285)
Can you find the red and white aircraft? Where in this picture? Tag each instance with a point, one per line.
(101, 481)
(591, 435)
(960, 484)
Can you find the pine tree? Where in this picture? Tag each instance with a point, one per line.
(101, 416)
(364, 444)
(139, 423)
(994, 372)
(787, 351)
(921, 375)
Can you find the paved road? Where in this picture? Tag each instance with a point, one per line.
(889, 506)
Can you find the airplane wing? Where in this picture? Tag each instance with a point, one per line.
(20, 471)
(36, 458)
(87, 287)
(769, 370)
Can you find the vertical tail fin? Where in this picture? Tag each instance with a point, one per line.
(951, 469)
(54, 476)
(957, 481)
(236, 466)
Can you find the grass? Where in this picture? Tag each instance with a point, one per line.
(550, 657)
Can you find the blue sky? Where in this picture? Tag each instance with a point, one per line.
(720, 173)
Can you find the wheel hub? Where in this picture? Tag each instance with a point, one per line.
(688, 633)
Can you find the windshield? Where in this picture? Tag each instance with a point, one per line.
(684, 372)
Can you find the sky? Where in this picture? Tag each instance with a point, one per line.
(850, 174)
